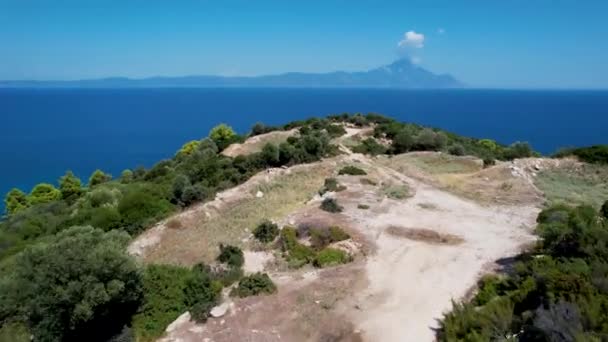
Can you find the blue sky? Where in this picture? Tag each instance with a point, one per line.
(511, 44)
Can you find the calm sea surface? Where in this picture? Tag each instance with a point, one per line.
(45, 132)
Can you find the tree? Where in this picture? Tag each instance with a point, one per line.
(70, 186)
(518, 150)
(126, 176)
(188, 148)
(270, 155)
(403, 141)
(44, 193)
(15, 200)
(179, 185)
(78, 286)
(98, 177)
(223, 135)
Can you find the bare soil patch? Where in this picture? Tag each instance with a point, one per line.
(424, 235)
(256, 143)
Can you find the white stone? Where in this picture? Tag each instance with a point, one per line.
(181, 320)
(220, 310)
(259, 194)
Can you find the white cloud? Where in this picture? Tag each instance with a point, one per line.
(412, 39)
(416, 60)
(440, 30)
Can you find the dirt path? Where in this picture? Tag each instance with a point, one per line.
(412, 283)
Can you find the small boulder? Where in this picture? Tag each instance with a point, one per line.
(220, 310)
(259, 194)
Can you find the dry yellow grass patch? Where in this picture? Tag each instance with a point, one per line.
(232, 224)
(256, 143)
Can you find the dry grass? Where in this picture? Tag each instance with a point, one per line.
(424, 235)
(587, 184)
(232, 224)
(395, 191)
(175, 223)
(256, 143)
(435, 163)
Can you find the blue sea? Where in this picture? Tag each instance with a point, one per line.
(45, 132)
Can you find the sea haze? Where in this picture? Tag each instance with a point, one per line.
(48, 131)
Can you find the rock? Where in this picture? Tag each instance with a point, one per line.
(181, 320)
(536, 167)
(259, 194)
(220, 310)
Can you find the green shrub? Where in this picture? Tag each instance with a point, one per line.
(351, 170)
(331, 184)
(255, 284)
(201, 293)
(397, 192)
(331, 205)
(487, 162)
(164, 300)
(321, 237)
(370, 146)
(297, 255)
(78, 285)
(266, 232)
(231, 255)
(363, 206)
(456, 150)
(367, 181)
(335, 131)
(331, 257)
(604, 210)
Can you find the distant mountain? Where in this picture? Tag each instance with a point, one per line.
(400, 74)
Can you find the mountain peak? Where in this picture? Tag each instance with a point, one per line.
(402, 74)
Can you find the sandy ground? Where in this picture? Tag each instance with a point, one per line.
(413, 257)
(412, 283)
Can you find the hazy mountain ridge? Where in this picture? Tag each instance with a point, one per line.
(400, 74)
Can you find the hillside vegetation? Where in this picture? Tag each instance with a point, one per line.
(66, 274)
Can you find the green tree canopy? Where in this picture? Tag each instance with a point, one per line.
(15, 200)
(44, 193)
(78, 286)
(126, 176)
(223, 135)
(98, 177)
(189, 148)
(70, 186)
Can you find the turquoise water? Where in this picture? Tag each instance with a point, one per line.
(46, 132)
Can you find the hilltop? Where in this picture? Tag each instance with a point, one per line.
(346, 228)
(400, 74)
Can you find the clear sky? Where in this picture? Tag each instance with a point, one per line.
(485, 43)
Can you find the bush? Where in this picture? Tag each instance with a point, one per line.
(351, 170)
(298, 255)
(266, 232)
(518, 150)
(335, 131)
(403, 141)
(429, 140)
(201, 294)
(487, 162)
(231, 255)
(597, 154)
(331, 257)
(70, 186)
(456, 150)
(164, 300)
(255, 284)
(331, 184)
(363, 206)
(77, 285)
(331, 205)
(321, 238)
(604, 210)
(370, 146)
(397, 192)
(140, 206)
